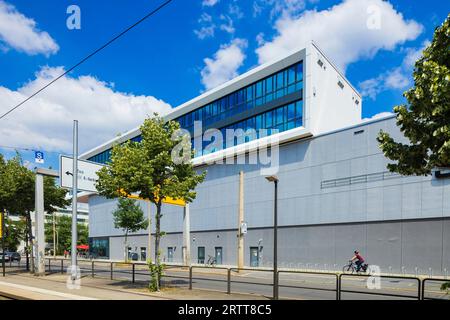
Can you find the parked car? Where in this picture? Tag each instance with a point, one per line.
(14, 256)
(7, 257)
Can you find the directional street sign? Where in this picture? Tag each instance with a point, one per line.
(38, 157)
(87, 173)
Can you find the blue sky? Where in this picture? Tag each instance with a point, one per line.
(185, 49)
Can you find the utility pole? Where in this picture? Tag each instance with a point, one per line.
(240, 235)
(186, 236)
(74, 200)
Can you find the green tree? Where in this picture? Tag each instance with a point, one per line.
(425, 120)
(17, 194)
(15, 232)
(156, 168)
(130, 218)
(63, 228)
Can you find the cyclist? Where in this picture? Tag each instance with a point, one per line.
(359, 260)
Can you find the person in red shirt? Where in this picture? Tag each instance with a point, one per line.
(359, 260)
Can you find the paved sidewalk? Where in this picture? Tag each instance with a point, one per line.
(54, 287)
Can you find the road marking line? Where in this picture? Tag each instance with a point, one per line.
(45, 291)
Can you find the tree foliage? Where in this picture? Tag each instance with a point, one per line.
(63, 226)
(130, 218)
(152, 168)
(15, 232)
(425, 120)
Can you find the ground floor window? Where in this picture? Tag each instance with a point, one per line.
(218, 255)
(201, 255)
(170, 254)
(143, 253)
(99, 247)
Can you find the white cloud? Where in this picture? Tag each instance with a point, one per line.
(284, 7)
(225, 64)
(228, 26)
(46, 120)
(207, 27)
(346, 32)
(19, 32)
(398, 78)
(209, 3)
(378, 116)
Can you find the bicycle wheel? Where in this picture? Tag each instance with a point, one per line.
(348, 269)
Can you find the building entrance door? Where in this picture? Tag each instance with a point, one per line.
(218, 255)
(254, 257)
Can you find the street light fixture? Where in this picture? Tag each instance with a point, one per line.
(274, 179)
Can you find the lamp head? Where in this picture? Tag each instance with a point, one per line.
(272, 178)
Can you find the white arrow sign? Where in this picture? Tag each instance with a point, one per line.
(87, 173)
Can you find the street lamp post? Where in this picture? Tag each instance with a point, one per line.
(274, 179)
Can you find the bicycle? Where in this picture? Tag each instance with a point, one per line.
(211, 261)
(351, 267)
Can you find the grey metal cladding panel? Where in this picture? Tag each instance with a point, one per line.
(392, 202)
(374, 203)
(342, 207)
(422, 245)
(376, 163)
(327, 208)
(288, 213)
(359, 166)
(446, 198)
(343, 145)
(347, 239)
(411, 200)
(384, 245)
(432, 193)
(324, 150)
(446, 247)
(358, 205)
(360, 143)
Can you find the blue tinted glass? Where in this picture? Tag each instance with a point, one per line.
(299, 72)
(291, 111)
(280, 80)
(249, 93)
(279, 115)
(259, 89)
(299, 109)
(269, 84)
(269, 119)
(291, 75)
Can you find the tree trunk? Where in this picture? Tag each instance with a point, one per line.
(27, 243)
(126, 247)
(157, 239)
(30, 239)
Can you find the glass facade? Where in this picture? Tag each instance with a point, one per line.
(257, 94)
(99, 247)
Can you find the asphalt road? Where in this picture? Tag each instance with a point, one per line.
(292, 285)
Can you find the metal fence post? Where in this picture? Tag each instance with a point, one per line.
(190, 278)
(111, 270)
(62, 265)
(92, 269)
(338, 289)
(229, 281)
(49, 265)
(339, 286)
(133, 267)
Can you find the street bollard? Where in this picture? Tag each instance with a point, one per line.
(49, 265)
(62, 266)
(92, 269)
(133, 266)
(111, 270)
(229, 281)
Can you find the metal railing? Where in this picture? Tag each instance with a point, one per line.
(227, 275)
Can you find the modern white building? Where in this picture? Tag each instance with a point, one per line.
(335, 193)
